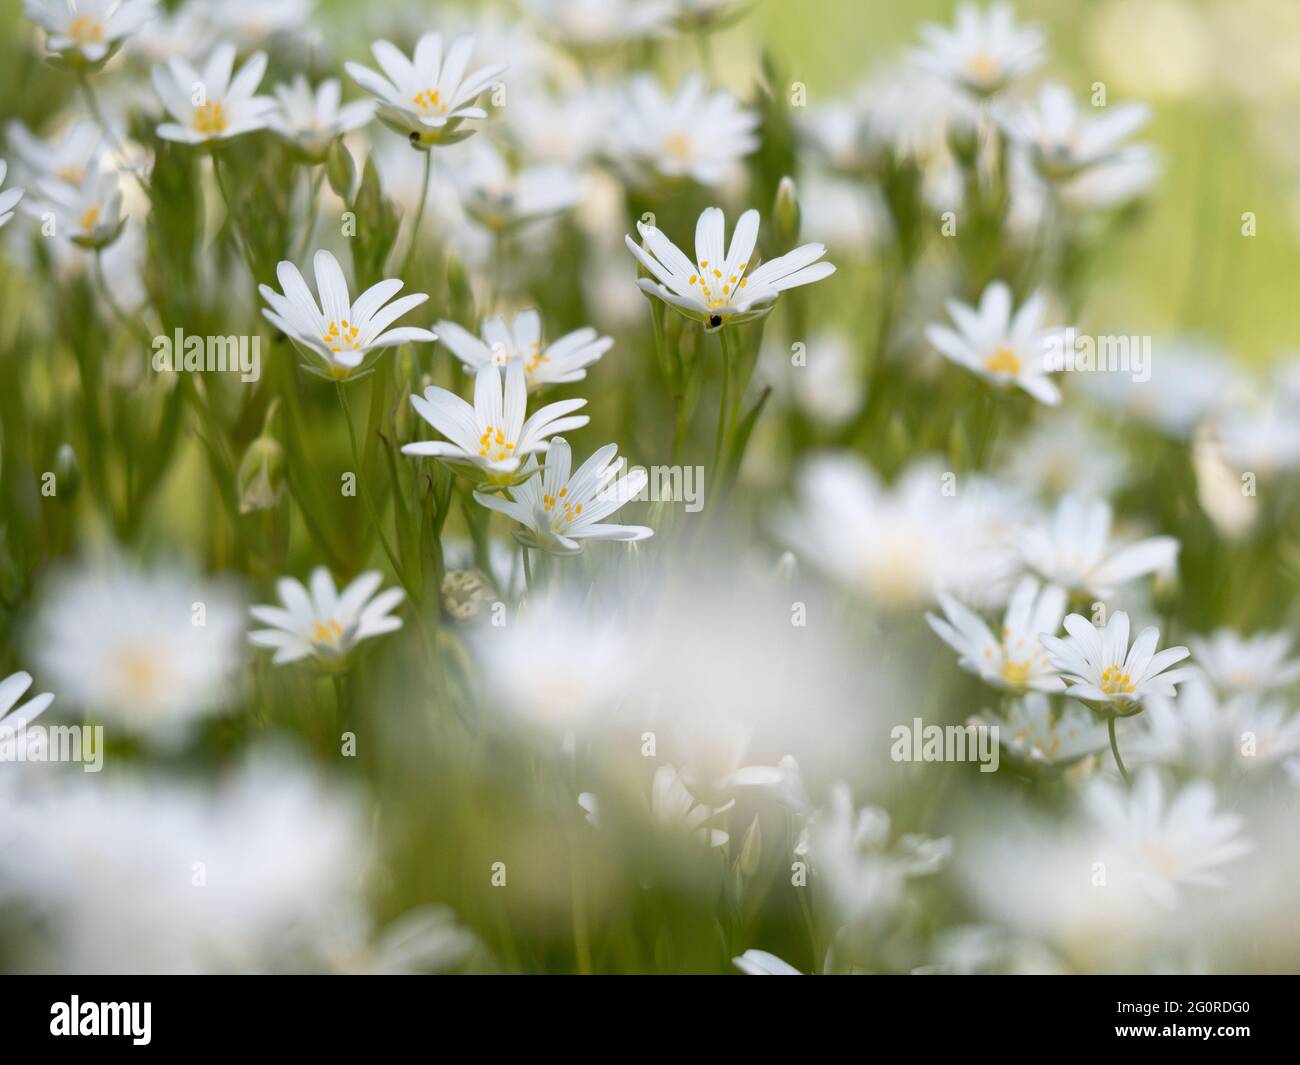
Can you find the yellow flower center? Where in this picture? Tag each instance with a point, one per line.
(983, 68)
(1114, 681)
(679, 146)
(429, 102)
(567, 511)
(341, 336)
(1003, 361)
(535, 358)
(86, 30)
(140, 673)
(210, 118)
(1016, 673)
(715, 287)
(89, 219)
(329, 632)
(494, 446)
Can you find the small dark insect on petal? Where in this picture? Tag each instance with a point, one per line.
(715, 320)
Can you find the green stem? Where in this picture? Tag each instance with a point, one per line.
(1114, 749)
(528, 569)
(419, 216)
(313, 198)
(218, 172)
(341, 389)
(110, 134)
(724, 406)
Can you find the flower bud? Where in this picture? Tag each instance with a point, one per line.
(260, 480)
(786, 214)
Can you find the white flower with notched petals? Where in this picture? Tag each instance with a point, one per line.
(999, 347)
(15, 742)
(1246, 664)
(62, 157)
(1074, 550)
(426, 98)
(311, 120)
(696, 134)
(601, 23)
(1032, 734)
(761, 963)
(500, 198)
(320, 622)
(1160, 843)
(715, 289)
(491, 439)
(8, 197)
(89, 213)
(1065, 142)
(984, 52)
(150, 651)
(341, 333)
(1103, 671)
(1016, 660)
(88, 31)
(211, 105)
(561, 507)
(562, 361)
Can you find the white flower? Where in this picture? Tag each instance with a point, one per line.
(1016, 660)
(711, 750)
(827, 388)
(89, 213)
(1065, 142)
(863, 873)
(253, 23)
(1075, 551)
(672, 808)
(63, 157)
(88, 31)
(1103, 671)
(1164, 844)
(1003, 349)
(761, 963)
(491, 439)
(113, 863)
(562, 361)
(14, 719)
(425, 940)
(1248, 664)
(569, 128)
(601, 23)
(324, 623)
(695, 134)
(150, 651)
(427, 97)
(8, 197)
(339, 332)
(212, 105)
(500, 198)
(1066, 455)
(984, 52)
(1031, 733)
(714, 289)
(312, 120)
(1262, 437)
(561, 507)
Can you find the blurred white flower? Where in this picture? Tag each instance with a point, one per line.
(324, 623)
(8, 197)
(88, 31)
(984, 52)
(842, 214)
(491, 439)
(672, 809)
(426, 940)
(211, 105)
(312, 120)
(1246, 664)
(863, 873)
(1031, 733)
(426, 98)
(151, 875)
(1017, 660)
(151, 651)
(1261, 437)
(1104, 672)
(500, 198)
(568, 128)
(694, 133)
(1065, 455)
(90, 212)
(63, 157)
(711, 750)
(1074, 549)
(561, 507)
(252, 23)
(15, 741)
(562, 361)
(599, 24)
(1163, 843)
(1003, 349)
(1064, 142)
(761, 963)
(344, 333)
(714, 290)
(826, 385)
